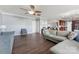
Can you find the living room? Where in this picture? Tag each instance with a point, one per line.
(23, 24)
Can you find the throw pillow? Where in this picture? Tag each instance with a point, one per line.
(46, 32)
(77, 38)
(72, 35)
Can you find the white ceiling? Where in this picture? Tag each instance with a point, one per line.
(48, 11)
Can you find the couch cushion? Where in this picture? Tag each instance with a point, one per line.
(62, 33)
(53, 32)
(66, 47)
(59, 38)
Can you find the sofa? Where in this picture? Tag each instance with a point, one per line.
(54, 35)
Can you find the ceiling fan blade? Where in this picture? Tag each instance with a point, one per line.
(38, 14)
(32, 7)
(38, 11)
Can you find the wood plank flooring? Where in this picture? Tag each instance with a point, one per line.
(31, 44)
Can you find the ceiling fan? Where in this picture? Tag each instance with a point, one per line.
(32, 10)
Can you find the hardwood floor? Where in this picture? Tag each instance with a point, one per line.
(31, 44)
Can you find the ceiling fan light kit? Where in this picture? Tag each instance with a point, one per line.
(31, 12)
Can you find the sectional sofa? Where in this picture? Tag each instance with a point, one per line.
(65, 41)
